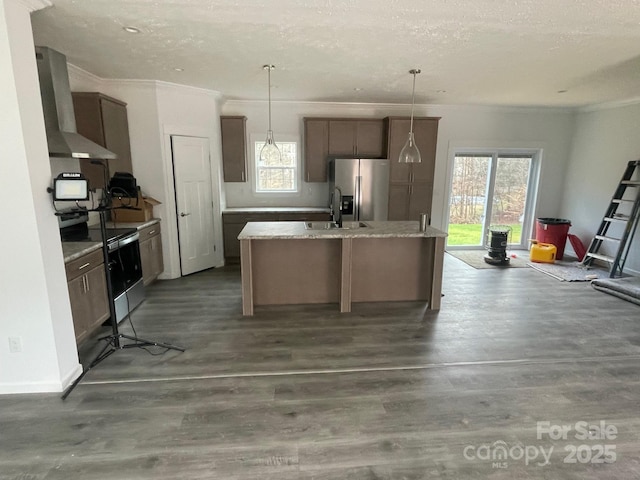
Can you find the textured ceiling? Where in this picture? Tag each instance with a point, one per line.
(492, 52)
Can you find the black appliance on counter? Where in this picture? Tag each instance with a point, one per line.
(124, 258)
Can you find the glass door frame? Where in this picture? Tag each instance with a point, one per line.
(531, 197)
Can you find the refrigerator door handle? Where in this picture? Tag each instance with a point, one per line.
(358, 198)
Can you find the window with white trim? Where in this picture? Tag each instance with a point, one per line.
(279, 175)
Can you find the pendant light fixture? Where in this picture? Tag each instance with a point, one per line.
(410, 152)
(270, 153)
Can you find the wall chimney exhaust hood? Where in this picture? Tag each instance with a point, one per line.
(57, 106)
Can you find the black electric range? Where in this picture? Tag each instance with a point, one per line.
(82, 233)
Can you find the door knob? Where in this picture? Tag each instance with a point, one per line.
(182, 214)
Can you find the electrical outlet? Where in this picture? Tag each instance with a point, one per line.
(15, 344)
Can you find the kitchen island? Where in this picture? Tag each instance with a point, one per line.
(286, 263)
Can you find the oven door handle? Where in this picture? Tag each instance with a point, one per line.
(126, 241)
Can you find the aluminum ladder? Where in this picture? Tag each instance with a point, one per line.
(628, 218)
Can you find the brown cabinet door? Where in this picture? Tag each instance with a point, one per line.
(151, 255)
(231, 242)
(97, 297)
(89, 302)
(146, 261)
(426, 135)
(116, 135)
(398, 133)
(398, 202)
(342, 138)
(86, 107)
(420, 195)
(80, 307)
(425, 132)
(316, 149)
(103, 120)
(157, 262)
(370, 139)
(234, 155)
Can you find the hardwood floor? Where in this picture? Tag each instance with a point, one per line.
(385, 392)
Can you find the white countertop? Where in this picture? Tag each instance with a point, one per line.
(297, 230)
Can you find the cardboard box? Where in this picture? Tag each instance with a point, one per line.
(144, 204)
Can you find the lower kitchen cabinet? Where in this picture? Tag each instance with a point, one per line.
(233, 223)
(151, 253)
(87, 286)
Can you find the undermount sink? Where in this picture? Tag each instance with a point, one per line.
(333, 226)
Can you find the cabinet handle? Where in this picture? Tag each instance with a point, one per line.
(84, 266)
(242, 176)
(86, 281)
(182, 214)
(151, 232)
(84, 284)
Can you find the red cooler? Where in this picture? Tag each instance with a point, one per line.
(553, 231)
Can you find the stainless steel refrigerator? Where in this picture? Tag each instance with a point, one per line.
(359, 189)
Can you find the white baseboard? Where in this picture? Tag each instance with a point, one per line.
(71, 376)
(44, 387)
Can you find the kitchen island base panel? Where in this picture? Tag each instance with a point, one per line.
(391, 269)
(286, 272)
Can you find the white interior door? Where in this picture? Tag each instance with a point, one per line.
(194, 204)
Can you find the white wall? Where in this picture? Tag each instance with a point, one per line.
(548, 129)
(34, 301)
(605, 140)
(190, 112)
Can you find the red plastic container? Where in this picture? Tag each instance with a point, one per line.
(553, 231)
(578, 247)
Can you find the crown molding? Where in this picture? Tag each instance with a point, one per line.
(399, 106)
(80, 72)
(610, 105)
(176, 86)
(158, 84)
(33, 5)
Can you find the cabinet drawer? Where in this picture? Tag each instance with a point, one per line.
(303, 217)
(249, 217)
(148, 232)
(82, 265)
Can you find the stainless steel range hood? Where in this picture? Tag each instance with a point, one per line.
(57, 104)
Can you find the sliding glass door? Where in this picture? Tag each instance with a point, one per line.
(490, 189)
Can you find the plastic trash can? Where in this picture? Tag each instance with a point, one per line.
(553, 231)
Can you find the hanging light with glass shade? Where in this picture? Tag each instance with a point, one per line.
(410, 152)
(270, 153)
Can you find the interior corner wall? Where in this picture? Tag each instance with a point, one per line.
(605, 140)
(34, 300)
(550, 129)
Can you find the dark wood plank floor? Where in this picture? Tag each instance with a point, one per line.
(389, 391)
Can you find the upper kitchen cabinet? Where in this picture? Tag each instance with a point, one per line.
(411, 184)
(234, 148)
(425, 130)
(336, 137)
(357, 137)
(103, 120)
(316, 149)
